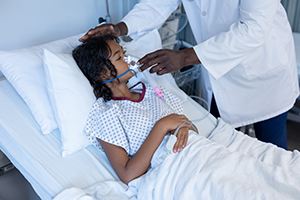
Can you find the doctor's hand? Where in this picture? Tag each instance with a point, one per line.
(105, 29)
(167, 61)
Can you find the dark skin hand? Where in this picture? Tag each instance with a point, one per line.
(167, 61)
(161, 62)
(105, 29)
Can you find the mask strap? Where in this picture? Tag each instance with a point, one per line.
(109, 80)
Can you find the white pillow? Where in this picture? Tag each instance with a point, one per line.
(23, 68)
(71, 97)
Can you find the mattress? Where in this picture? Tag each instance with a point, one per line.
(38, 156)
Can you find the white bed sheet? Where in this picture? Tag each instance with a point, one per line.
(38, 157)
(227, 165)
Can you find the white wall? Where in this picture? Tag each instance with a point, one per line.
(55, 18)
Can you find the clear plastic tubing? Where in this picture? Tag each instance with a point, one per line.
(131, 61)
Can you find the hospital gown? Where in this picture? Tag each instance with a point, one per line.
(127, 123)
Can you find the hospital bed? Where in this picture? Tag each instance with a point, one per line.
(38, 154)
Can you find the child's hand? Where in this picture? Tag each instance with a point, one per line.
(172, 121)
(182, 138)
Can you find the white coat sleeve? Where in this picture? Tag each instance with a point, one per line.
(148, 15)
(221, 53)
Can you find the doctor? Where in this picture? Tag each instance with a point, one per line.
(247, 52)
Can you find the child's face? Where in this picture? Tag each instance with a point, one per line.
(117, 59)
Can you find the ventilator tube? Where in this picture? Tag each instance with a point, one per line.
(131, 61)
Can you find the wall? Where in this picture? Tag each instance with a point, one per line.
(80, 15)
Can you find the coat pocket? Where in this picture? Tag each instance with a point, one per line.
(267, 60)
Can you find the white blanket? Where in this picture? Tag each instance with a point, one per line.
(227, 165)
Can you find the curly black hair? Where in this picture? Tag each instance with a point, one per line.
(92, 59)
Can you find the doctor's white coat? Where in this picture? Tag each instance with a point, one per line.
(246, 48)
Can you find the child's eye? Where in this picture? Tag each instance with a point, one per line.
(119, 58)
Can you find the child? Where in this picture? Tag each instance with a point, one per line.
(128, 125)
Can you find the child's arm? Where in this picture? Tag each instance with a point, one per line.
(129, 169)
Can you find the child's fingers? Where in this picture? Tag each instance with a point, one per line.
(176, 146)
(185, 139)
(179, 143)
(182, 137)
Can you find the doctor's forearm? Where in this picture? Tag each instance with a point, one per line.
(148, 15)
(123, 28)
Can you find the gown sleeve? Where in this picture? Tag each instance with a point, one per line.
(103, 123)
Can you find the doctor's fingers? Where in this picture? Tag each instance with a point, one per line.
(101, 30)
(163, 61)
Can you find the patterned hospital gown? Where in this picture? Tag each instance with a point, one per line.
(127, 123)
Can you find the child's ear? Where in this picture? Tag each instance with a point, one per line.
(104, 75)
(102, 78)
